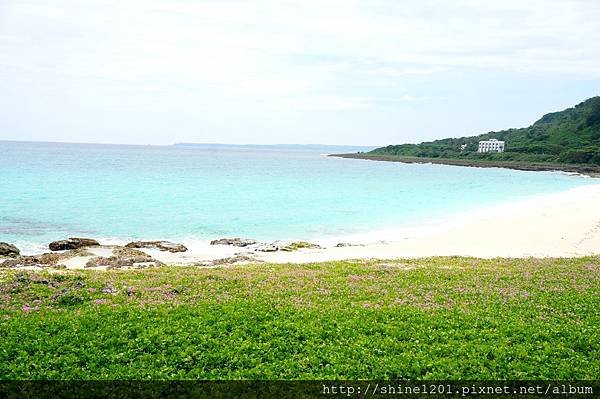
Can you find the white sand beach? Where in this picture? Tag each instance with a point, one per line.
(565, 224)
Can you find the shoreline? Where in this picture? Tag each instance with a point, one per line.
(563, 224)
(585, 170)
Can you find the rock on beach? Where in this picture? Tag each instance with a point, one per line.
(72, 243)
(160, 245)
(236, 242)
(9, 250)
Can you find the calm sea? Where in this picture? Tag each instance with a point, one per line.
(49, 191)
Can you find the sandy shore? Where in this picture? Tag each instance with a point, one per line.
(565, 224)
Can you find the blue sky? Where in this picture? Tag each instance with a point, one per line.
(369, 72)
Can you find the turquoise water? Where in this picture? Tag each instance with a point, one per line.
(49, 191)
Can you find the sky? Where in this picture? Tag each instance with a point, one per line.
(371, 72)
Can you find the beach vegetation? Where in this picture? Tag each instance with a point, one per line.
(435, 318)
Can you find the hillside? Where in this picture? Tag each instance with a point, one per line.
(571, 136)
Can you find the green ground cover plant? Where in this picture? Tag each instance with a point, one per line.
(436, 318)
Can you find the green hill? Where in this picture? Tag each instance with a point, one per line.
(570, 136)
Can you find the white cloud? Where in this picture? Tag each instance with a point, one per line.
(301, 55)
(220, 41)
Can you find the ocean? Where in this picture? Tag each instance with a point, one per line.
(116, 193)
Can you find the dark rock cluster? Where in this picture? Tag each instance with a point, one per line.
(72, 243)
(9, 250)
(124, 257)
(160, 245)
(236, 242)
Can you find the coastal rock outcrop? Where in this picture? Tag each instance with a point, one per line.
(72, 243)
(9, 250)
(124, 257)
(347, 244)
(268, 248)
(229, 261)
(296, 245)
(236, 242)
(22, 261)
(49, 259)
(160, 245)
(28, 261)
(287, 246)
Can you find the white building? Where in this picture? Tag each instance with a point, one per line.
(491, 145)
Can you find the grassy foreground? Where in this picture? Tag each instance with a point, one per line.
(438, 318)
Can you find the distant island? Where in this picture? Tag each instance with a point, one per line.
(295, 147)
(568, 140)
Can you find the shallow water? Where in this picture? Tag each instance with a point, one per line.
(49, 191)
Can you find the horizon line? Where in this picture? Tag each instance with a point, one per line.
(188, 143)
